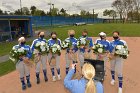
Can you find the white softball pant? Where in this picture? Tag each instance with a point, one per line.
(23, 69)
(57, 60)
(81, 57)
(43, 62)
(68, 61)
(117, 65)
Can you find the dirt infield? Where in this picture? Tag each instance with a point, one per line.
(10, 83)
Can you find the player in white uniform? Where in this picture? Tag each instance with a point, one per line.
(21, 66)
(54, 40)
(116, 61)
(84, 49)
(102, 40)
(69, 51)
(43, 58)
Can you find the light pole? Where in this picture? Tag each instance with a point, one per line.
(53, 6)
(93, 16)
(52, 15)
(51, 12)
(21, 7)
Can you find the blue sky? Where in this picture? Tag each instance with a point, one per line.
(72, 6)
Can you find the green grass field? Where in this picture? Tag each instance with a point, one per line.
(6, 47)
(6, 67)
(127, 30)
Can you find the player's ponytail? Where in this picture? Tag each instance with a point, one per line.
(89, 72)
(90, 87)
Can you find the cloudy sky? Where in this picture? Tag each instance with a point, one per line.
(72, 6)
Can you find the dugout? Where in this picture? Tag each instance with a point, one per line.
(12, 27)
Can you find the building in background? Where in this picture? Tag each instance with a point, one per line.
(12, 27)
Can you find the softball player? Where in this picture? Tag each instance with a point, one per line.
(82, 50)
(116, 61)
(43, 58)
(74, 49)
(51, 42)
(22, 67)
(106, 44)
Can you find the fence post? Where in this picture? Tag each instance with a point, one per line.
(10, 29)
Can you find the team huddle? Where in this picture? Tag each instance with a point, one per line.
(42, 51)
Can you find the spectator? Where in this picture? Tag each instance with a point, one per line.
(85, 84)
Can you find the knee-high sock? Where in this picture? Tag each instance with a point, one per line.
(28, 79)
(75, 69)
(113, 75)
(67, 70)
(37, 74)
(52, 70)
(120, 81)
(45, 72)
(22, 81)
(58, 71)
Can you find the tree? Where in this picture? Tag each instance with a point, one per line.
(117, 4)
(75, 15)
(11, 13)
(110, 13)
(25, 11)
(43, 13)
(63, 12)
(33, 9)
(37, 12)
(123, 7)
(128, 6)
(54, 11)
(17, 12)
(83, 13)
(88, 14)
(1, 12)
(106, 12)
(5, 13)
(113, 14)
(137, 9)
(95, 15)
